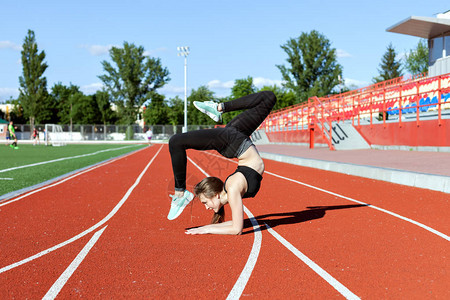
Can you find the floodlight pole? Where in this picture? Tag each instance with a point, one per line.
(184, 51)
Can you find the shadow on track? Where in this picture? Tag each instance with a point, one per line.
(276, 219)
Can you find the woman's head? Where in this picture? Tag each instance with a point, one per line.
(209, 187)
(208, 191)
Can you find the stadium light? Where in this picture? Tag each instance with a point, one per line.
(184, 51)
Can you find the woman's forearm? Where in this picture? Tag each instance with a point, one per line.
(220, 228)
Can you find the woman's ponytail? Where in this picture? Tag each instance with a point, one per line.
(218, 217)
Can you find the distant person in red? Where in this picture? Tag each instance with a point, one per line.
(35, 137)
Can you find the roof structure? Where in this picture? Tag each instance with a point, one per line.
(424, 27)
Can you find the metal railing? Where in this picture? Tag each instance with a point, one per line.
(394, 101)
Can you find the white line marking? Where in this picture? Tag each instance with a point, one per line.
(368, 205)
(59, 284)
(99, 224)
(6, 178)
(61, 181)
(61, 159)
(354, 200)
(315, 267)
(241, 282)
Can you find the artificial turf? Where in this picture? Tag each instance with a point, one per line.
(71, 158)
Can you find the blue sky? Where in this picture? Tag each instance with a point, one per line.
(229, 40)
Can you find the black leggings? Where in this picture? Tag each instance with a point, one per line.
(224, 140)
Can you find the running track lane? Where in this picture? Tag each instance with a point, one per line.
(370, 252)
(44, 219)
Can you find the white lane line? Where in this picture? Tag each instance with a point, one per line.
(442, 235)
(99, 224)
(61, 159)
(368, 205)
(61, 181)
(240, 284)
(6, 178)
(59, 284)
(315, 267)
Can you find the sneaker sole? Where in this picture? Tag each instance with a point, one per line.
(209, 114)
(182, 208)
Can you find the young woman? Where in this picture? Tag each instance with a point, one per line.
(233, 141)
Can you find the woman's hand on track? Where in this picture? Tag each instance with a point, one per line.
(198, 230)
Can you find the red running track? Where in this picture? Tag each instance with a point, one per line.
(308, 234)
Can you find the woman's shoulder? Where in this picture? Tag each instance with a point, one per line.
(236, 182)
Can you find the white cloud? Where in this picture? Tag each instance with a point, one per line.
(401, 56)
(342, 53)
(91, 88)
(217, 84)
(259, 82)
(98, 50)
(155, 51)
(10, 45)
(170, 89)
(6, 93)
(351, 83)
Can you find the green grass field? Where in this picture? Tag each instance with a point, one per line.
(16, 179)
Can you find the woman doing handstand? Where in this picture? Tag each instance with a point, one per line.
(233, 141)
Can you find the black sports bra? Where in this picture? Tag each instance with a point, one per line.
(253, 180)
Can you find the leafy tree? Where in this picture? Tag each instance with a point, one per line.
(33, 84)
(285, 97)
(416, 61)
(62, 96)
(48, 111)
(157, 111)
(195, 117)
(241, 88)
(85, 109)
(390, 66)
(134, 80)
(107, 115)
(16, 114)
(313, 69)
(176, 111)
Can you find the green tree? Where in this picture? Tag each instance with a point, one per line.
(16, 114)
(103, 101)
(416, 62)
(195, 117)
(134, 80)
(312, 66)
(62, 97)
(284, 96)
(85, 109)
(390, 67)
(157, 112)
(33, 84)
(176, 111)
(242, 87)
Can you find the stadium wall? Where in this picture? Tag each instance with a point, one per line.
(294, 136)
(428, 134)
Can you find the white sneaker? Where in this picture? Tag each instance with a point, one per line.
(178, 204)
(210, 109)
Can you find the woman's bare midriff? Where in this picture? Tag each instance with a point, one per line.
(250, 158)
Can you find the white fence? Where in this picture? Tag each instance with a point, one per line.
(80, 133)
